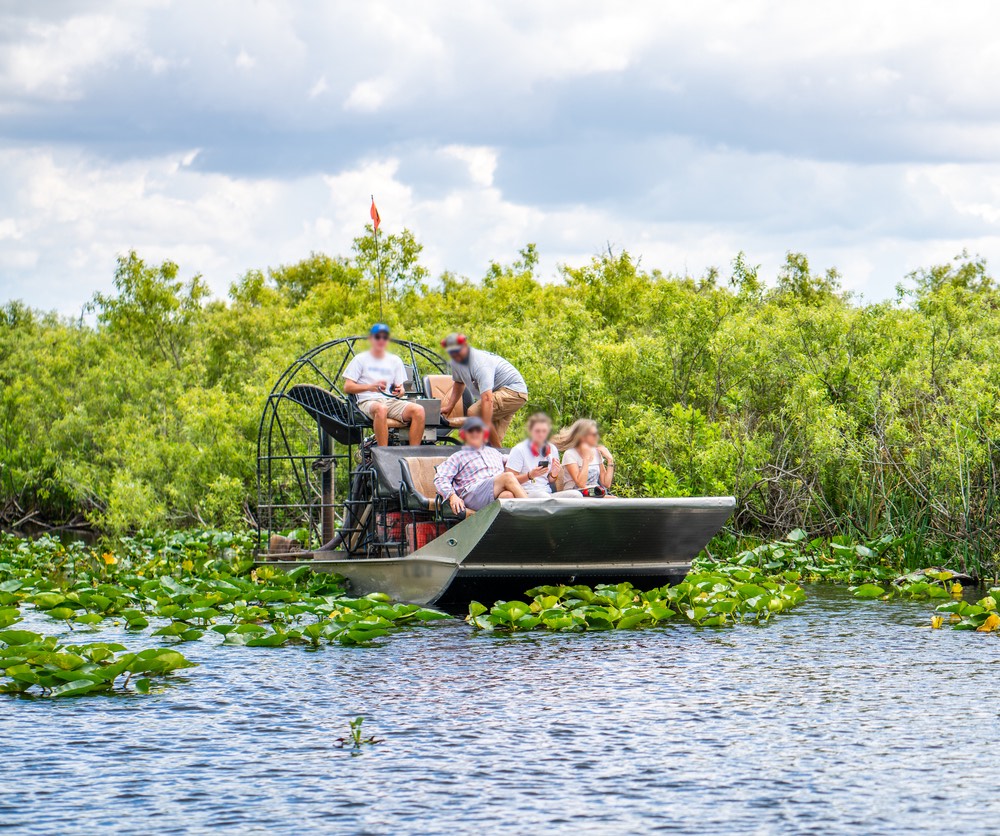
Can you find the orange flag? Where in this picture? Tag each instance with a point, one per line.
(376, 219)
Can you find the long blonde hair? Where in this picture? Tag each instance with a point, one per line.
(569, 437)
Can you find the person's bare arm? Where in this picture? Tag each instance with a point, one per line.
(578, 473)
(607, 466)
(444, 484)
(526, 477)
(352, 387)
(454, 396)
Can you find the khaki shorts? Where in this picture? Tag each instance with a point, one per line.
(394, 408)
(505, 403)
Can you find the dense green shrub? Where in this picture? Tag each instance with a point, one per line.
(816, 410)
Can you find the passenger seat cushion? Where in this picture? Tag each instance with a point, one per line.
(439, 386)
(422, 471)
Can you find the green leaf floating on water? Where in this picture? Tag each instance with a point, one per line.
(190, 588)
(273, 640)
(47, 600)
(715, 599)
(13, 638)
(869, 590)
(74, 689)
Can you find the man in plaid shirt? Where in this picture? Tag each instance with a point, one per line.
(474, 476)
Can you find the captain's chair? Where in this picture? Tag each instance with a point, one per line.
(439, 386)
(408, 473)
(364, 421)
(417, 492)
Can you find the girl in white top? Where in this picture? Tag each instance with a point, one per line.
(586, 463)
(535, 461)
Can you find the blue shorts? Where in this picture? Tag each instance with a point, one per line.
(479, 495)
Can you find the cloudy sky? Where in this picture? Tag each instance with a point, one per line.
(230, 135)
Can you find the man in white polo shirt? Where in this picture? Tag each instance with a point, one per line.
(372, 374)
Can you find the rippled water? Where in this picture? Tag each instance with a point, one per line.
(841, 717)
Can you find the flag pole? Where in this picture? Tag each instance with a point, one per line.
(378, 260)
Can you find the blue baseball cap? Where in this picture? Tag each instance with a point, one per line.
(379, 328)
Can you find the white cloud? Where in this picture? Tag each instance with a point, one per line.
(319, 88)
(52, 60)
(481, 162)
(231, 135)
(75, 214)
(368, 96)
(9, 229)
(245, 61)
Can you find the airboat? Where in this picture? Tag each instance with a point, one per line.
(329, 498)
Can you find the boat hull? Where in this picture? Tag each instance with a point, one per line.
(513, 545)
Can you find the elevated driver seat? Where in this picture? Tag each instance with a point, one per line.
(439, 386)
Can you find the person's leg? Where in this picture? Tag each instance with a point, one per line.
(415, 416)
(506, 402)
(476, 411)
(479, 495)
(508, 482)
(505, 495)
(380, 423)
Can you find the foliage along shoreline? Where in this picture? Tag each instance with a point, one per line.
(815, 409)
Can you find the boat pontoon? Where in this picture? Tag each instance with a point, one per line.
(329, 497)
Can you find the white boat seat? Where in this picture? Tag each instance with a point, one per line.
(417, 473)
(387, 464)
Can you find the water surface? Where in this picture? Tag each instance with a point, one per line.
(840, 717)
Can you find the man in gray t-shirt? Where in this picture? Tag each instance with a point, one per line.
(497, 386)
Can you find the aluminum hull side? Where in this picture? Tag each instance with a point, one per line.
(574, 532)
(409, 579)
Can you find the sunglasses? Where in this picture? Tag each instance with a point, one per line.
(382, 338)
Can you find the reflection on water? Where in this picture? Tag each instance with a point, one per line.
(840, 717)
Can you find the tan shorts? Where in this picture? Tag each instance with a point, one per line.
(394, 408)
(505, 403)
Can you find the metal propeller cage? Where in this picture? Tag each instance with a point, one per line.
(312, 473)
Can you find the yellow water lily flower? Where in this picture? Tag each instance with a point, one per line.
(956, 589)
(990, 625)
(954, 618)
(937, 621)
(109, 559)
(187, 565)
